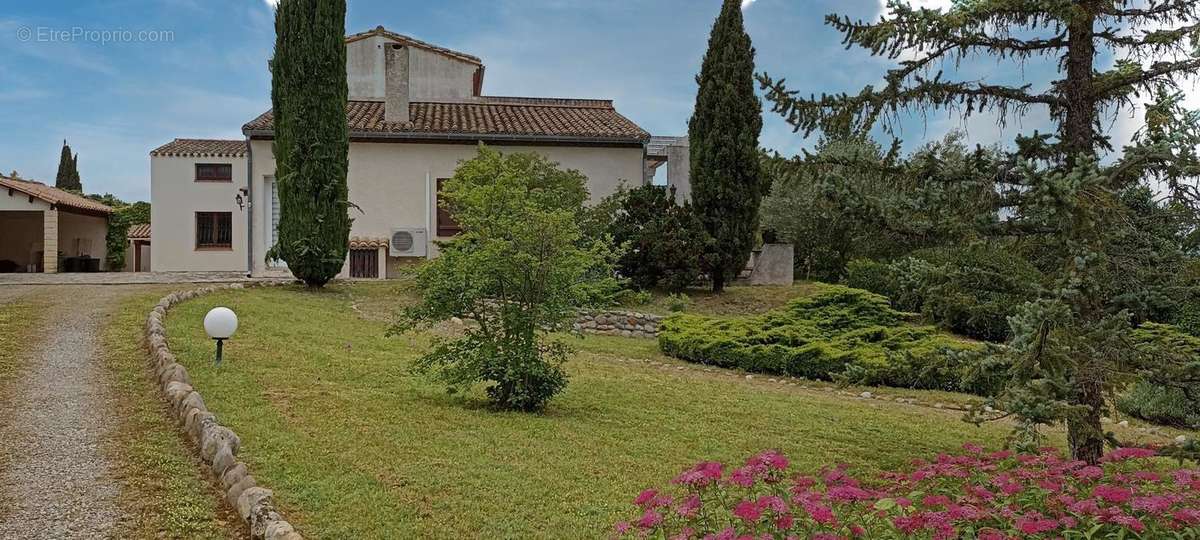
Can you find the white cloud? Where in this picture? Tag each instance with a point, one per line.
(272, 3)
(746, 3)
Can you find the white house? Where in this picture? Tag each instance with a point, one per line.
(416, 110)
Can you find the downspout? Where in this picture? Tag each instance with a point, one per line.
(428, 223)
(249, 208)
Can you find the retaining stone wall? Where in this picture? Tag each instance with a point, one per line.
(619, 323)
(218, 445)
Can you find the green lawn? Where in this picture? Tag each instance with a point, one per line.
(165, 490)
(736, 300)
(19, 321)
(356, 447)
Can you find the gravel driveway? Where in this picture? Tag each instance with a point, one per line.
(55, 480)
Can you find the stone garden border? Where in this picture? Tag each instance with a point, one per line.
(618, 323)
(218, 445)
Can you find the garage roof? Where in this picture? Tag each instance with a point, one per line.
(53, 195)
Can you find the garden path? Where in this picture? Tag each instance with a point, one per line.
(55, 479)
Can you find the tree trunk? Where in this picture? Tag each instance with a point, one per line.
(1084, 434)
(718, 282)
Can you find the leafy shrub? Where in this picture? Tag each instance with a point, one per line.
(1164, 402)
(662, 242)
(519, 269)
(971, 291)
(986, 496)
(839, 333)
(678, 302)
(632, 298)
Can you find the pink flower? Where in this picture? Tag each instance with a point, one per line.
(650, 519)
(686, 534)
(1112, 494)
(645, 497)
(703, 474)
(857, 530)
(847, 493)
(772, 503)
(784, 522)
(1154, 504)
(770, 458)
(1090, 472)
(742, 476)
(820, 513)
(1121, 454)
(1035, 523)
(689, 506)
(973, 448)
(621, 527)
(747, 511)
(1191, 516)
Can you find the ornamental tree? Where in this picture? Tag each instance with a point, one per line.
(727, 186)
(308, 99)
(518, 271)
(68, 171)
(1071, 347)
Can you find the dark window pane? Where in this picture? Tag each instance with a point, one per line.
(214, 172)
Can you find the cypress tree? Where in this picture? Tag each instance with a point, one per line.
(727, 186)
(308, 97)
(68, 171)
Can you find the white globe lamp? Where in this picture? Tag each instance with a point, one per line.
(220, 323)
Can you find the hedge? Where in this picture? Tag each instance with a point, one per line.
(840, 333)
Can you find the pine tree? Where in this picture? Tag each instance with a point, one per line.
(68, 171)
(727, 186)
(308, 98)
(1069, 347)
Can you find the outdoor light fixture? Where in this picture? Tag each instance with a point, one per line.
(220, 323)
(241, 202)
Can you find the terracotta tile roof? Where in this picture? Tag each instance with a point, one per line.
(201, 148)
(53, 195)
(361, 242)
(140, 231)
(488, 117)
(414, 42)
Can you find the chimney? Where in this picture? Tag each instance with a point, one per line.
(395, 74)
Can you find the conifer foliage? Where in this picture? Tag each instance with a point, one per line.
(308, 99)
(68, 171)
(727, 186)
(1071, 347)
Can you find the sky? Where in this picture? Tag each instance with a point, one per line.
(118, 78)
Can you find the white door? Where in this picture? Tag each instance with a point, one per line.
(272, 219)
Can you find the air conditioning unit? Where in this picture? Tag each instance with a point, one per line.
(407, 242)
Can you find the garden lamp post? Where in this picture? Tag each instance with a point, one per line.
(220, 323)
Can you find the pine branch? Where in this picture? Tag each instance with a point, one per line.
(1170, 7)
(1116, 84)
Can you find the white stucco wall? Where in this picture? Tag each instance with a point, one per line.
(388, 181)
(432, 76)
(80, 235)
(20, 235)
(175, 198)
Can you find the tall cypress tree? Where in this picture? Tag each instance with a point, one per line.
(68, 171)
(727, 186)
(1072, 346)
(308, 97)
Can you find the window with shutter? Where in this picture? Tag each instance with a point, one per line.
(446, 226)
(214, 172)
(214, 230)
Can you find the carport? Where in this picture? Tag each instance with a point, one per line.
(45, 229)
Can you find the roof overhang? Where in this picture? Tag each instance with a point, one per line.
(472, 138)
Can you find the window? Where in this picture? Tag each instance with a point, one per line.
(214, 230)
(446, 226)
(214, 172)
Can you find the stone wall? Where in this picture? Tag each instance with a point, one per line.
(218, 445)
(619, 323)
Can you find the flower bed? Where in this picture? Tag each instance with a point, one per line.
(988, 496)
(839, 333)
